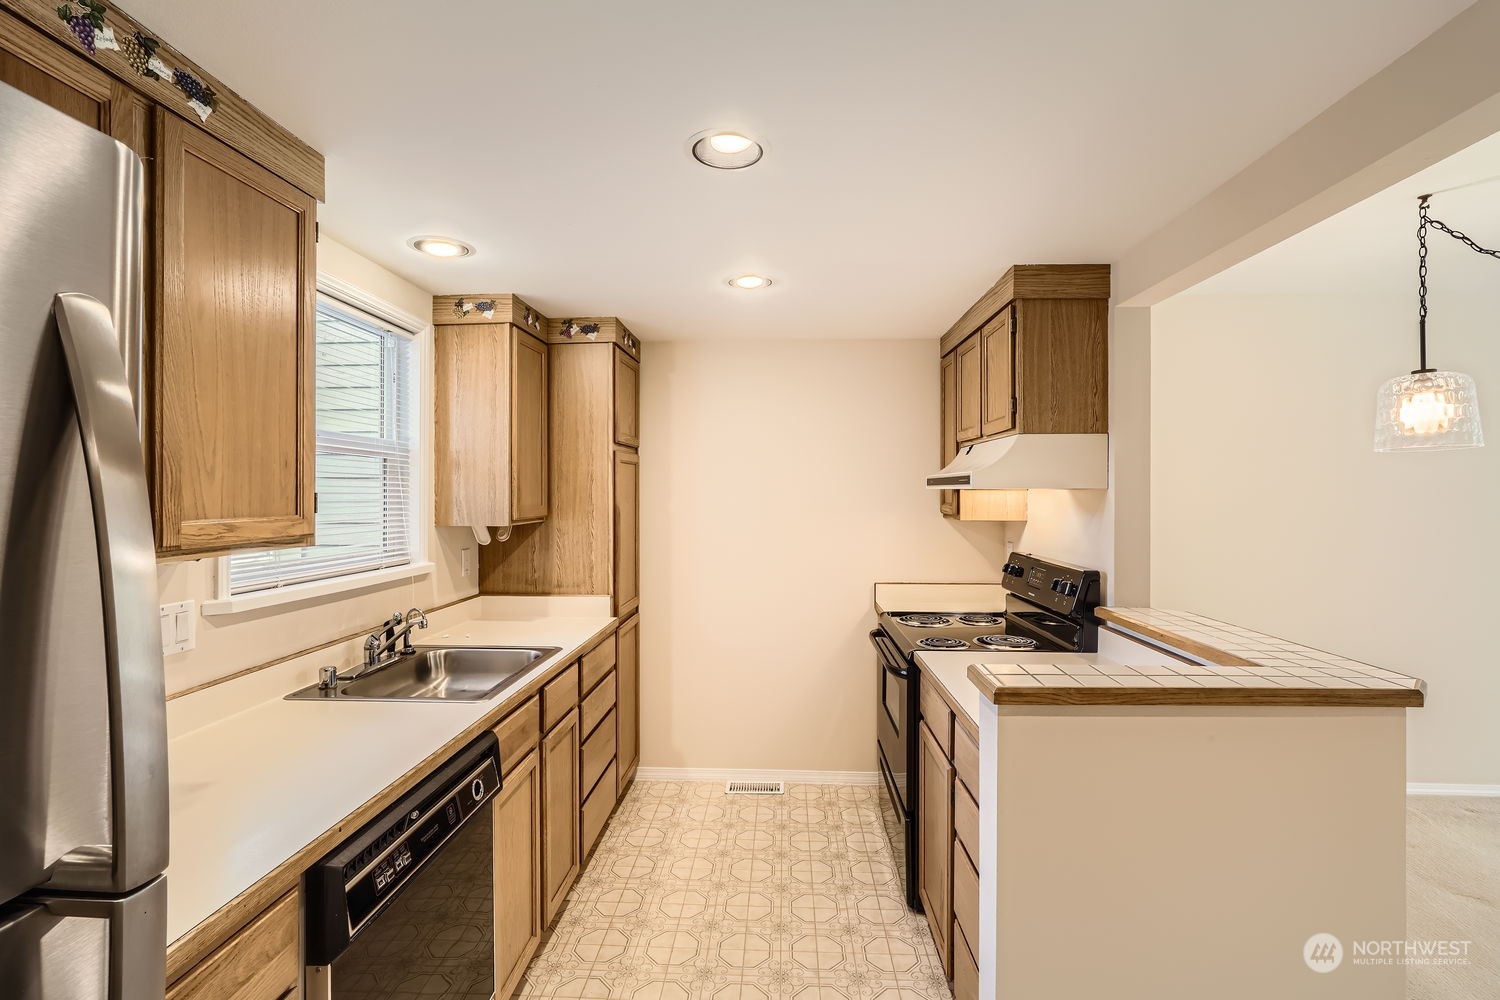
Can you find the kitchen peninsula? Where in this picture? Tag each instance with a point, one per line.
(1105, 863)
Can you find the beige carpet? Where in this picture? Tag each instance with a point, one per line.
(1453, 893)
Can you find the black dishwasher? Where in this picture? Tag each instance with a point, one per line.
(406, 906)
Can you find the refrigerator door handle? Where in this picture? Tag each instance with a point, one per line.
(127, 571)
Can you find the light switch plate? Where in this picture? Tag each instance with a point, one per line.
(179, 627)
(465, 557)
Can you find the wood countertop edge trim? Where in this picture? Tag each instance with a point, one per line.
(199, 942)
(1201, 697)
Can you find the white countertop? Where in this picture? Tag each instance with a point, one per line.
(254, 787)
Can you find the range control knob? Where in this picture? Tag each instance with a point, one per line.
(1072, 590)
(1012, 569)
(1059, 586)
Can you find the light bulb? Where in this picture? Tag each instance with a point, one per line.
(1426, 412)
(439, 246)
(730, 142)
(750, 281)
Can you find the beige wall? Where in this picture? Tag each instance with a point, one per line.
(780, 480)
(226, 644)
(1270, 508)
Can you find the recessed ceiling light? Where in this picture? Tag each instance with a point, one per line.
(726, 150)
(439, 246)
(750, 281)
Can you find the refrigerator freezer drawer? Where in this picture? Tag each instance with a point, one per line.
(82, 948)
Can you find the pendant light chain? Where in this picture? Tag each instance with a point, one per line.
(1422, 223)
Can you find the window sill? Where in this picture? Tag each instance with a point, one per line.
(300, 592)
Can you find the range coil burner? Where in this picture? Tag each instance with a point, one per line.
(942, 642)
(983, 620)
(925, 621)
(1007, 642)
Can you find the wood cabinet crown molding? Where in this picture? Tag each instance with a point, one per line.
(234, 120)
(488, 307)
(1029, 281)
(594, 330)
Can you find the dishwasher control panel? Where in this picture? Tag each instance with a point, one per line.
(346, 889)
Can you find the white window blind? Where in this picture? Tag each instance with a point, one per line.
(366, 380)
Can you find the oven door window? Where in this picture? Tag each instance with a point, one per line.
(436, 939)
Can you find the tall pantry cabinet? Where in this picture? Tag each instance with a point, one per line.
(590, 541)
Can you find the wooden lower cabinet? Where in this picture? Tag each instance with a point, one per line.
(598, 807)
(965, 969)
(261, 962)
(560, 805)
(518, 873)
(628, 697)
(935, 839)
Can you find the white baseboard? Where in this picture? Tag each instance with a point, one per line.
(770, 774)
(1424, 788)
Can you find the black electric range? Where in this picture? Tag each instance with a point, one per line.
(1049, 607)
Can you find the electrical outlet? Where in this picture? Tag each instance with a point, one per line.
(179, 627)
(465, 557)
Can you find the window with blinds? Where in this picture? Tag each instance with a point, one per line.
(366, 382)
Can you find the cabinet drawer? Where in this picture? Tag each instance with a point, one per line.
(965, 894)
(966, 821)
(966, 757)
(559, 696)
(597, 662)
(259, 963)
(598, 752)
(597, 807)
(939, 718)
(518, 733)
(965, 970)
(599, 702)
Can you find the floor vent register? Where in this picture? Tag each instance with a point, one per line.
(754, 788)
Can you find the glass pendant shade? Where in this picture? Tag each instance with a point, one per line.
(1428, 411)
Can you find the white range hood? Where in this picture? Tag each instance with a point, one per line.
(1029, 462)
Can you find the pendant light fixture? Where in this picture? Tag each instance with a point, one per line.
(1429, 410)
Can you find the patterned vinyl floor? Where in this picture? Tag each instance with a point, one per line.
(696, 894)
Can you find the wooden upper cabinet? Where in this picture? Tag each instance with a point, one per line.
(528, 428)
(627, 401)
(627, 531)
(970, 390)
(948, 499)
(36, 65)
(1031, 356)
(995, 348)
(232, 363)
(493, 381)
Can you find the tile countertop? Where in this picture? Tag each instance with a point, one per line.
(261, 782)
(1239, 667)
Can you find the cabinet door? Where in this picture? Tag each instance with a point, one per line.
(970, 386)
(948, 499)
(258, 963)
(528, 427)
(518, 874)
(935, 881)
(628, 696)
(997, 349)
(627, 401)
(233, 365)
(37, 65)
(627, 530)
(560, 803)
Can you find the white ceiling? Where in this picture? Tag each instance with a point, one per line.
(1371, 248)
(914, 150)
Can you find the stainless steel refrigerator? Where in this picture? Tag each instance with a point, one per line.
(83, 769)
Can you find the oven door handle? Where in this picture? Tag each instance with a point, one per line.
(890, 656)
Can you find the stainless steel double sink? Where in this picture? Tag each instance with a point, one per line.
(447, 673)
